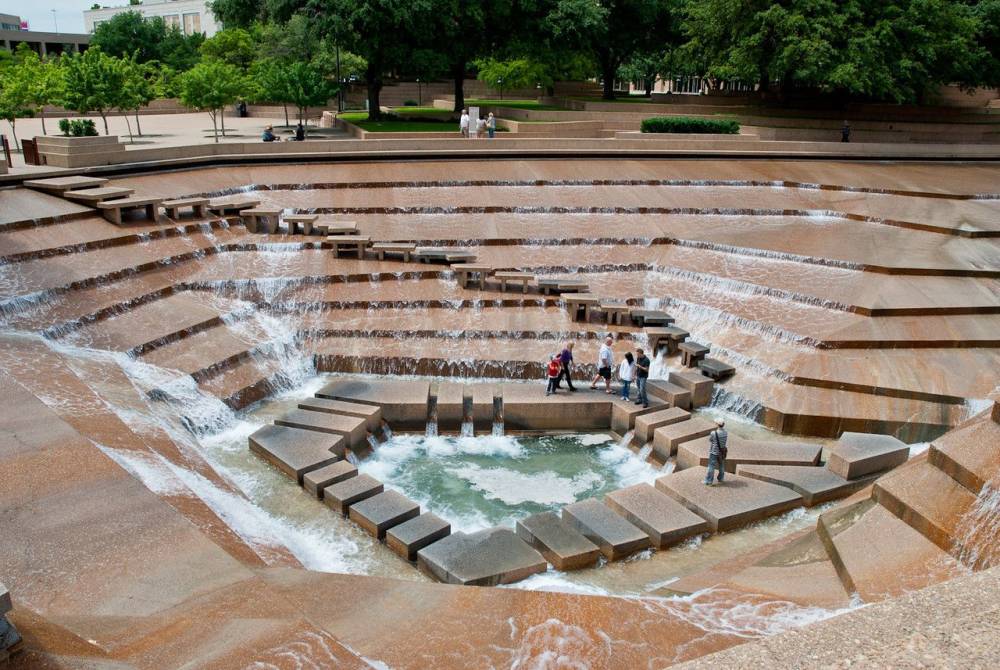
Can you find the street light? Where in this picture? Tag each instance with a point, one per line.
(420, 97)
(500, 86)
(55, 19)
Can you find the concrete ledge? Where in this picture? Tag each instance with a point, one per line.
(382, 511)
(559, 543)
(403, 402)
(351, 427)
(859, 454)
(625, 413)
(647, 424)
(485, 558)
(815, 485)
(411, 536)
(370, 413)
(328, 475)
(526, 407)
(700, 386)
(616, 537)
(667, 438)
(342, 495)
(676, 396)
(694, 453)
(296, 452)
(665, 520)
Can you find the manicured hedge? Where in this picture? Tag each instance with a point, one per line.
(684, 124)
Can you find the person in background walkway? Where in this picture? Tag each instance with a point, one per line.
(463, 124)
(491, 125)
(554, 370)
(269, 135)
(605, 359)
(566, 359)
(641, 375)
(717, 452)
(845, 132)
(300, 133)
(626, 373)
(480, 128)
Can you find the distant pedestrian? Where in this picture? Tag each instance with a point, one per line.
(480, 128)
(554, 369)
(641, 376)
(491, 125)
(566, 359)
(463, 124)
(605, 359)
(717, 452)
(845, 132)
(300, 133)
(626, 373)
(269, 135)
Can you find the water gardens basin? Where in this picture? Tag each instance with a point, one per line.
(845, 297)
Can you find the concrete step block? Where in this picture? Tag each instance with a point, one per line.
(411, 536)
(314, 482)
(970, 454)
(372, 414)
(403, 401)
(351, 427)
(616, 537)
(694, 453)
(484, 558)
(560, 544)
(382, 511)
(816, 485)
(665, 520)
(294, 451)
(859, 454)
(646, 424)
(674, 395)
(667, 439)
(700, 386)
(624, 413)
(342, 495)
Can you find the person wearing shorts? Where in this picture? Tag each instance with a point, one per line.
(605, 359)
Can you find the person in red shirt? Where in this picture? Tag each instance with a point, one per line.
(554, 370)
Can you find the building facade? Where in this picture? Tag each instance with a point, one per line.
(43, 43)
(189, 16)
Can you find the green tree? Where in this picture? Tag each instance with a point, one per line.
(232, 45)
(211, 87)
(179, 51)
(43, 77)
(138, 90)
(15, 96)
(93, 82)
(517, 73)
(269, 83)
(306, 87)
(130, 34)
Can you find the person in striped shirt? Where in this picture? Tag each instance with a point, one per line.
(717, 452)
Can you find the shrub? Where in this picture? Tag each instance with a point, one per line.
(64, 126)
(78, 127)
(410, 103)
(684, 124)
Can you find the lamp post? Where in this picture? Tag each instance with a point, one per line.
(500, 86)
(420, 97)
(55, 19)
(340, 84)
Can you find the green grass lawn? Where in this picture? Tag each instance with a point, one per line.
(513, 104)
(360, 119)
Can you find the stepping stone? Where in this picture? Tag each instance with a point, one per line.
(650, 317)
(668, 336)
(351, 427)
(734, 503)
(328, 475)
(665, 520)
(676, 396)
(667, 438)
(403, 402)
(92, 196)
(699, 385)
(5, 602)
(294, 451)
(559, 543)
(485, 558)
(59, 185)
(927, 499)
(859, 454)
(382, 511)
(450, 405)
(879, 556)
(646, 424)
(815, 485)
(694, 453)
(482, 405)
(624, 413)
(616, 537)
(969, 454)
(342, 495)
(411, 536)
(691, 353)
(372, 414)
(716, 369)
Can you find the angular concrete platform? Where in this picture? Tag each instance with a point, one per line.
(372, 414)
(450, 405)
(624, 413)
(526, 407)
(560, 544)
(382, 511)
(665, 520)
(700, 386)
(734, 503)
(970, 454)
(859, 454)
(616, 537)
(403, 402)
(816, 485)
(672, 394)
(667, 439)
(351, 427)
(314, 482)
(646, 424)
(295, 451)
(749, 452)
(411, 536)
(342, 495)
(484, 558)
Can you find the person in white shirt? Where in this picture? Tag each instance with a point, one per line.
(605, 359)
(626, 373)
(463, 124)
(480, 128)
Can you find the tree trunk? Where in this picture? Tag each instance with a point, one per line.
(128, 125)
(374, 83)
(649, 87)
(285, 105)
(13, 132)
(215, 127)
(104, 117)
(608, 70)
(458, 75)
(137, 127)
(222, 120)
(41, 114)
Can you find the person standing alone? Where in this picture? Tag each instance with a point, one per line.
(641, 375)
(717, 452)
(491, 125)
(463, 124)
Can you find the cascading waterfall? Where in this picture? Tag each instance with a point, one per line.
(467, 427)
(978, 531)
(432, 417)
(645, 451)
(497, 416)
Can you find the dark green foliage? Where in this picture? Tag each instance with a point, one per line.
(78, 127)
(686, 124)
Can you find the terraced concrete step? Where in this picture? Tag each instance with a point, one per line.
(560, 544)
(927, 499)
(525, 407)
(316, 481)
(244, 383)
(370, 413)
(484, 558)
(382, 511)
(646, 424)
(403, 402)
(624, 413)
(411, 536)
(294, 451)
(343, 494)
(202, 354)
(616, 537)
(700, 386)
(733, 503)
(694, 453)
(451, 404)
(665, 520)
(667, 439)
(676, 396)
(859, 454)
(816, 485)
(351, 427)
(879, 556)
(970, 454)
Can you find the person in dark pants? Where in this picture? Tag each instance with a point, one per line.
(300, 133)
(554, 370)
(641, 375)
(717, 453)
(845, 132)
(566, 358)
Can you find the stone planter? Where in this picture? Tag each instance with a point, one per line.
(72, 152)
